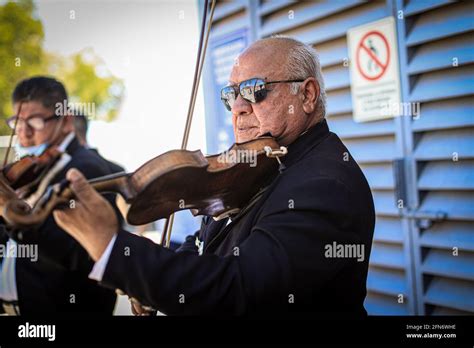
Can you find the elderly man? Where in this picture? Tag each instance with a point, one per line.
(302, 248)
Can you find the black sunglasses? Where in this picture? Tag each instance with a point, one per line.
(253, 90)
(35, 122)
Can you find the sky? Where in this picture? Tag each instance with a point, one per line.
(151, 45)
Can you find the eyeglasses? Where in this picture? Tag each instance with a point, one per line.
(35, 122)
(253, 90)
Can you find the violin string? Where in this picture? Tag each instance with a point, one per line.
(12, 134)
(202, 46)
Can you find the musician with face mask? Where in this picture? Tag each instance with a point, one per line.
(52, 275)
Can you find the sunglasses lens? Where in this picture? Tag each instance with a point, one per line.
(228, 97)
(260, 91)
(247, 89)
(253, 90)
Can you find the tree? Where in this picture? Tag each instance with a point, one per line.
(21, 52)
(84, 75)
(88, 81)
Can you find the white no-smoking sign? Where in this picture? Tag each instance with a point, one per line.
(375, 82)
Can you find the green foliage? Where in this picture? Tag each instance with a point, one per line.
(21, 52)
(88, 81)
(22, 55)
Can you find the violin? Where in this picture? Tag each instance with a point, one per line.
(19, 179)
(217, 185)
(27, 172)
(6, 192)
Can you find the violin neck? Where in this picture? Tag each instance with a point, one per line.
(115, 183)
(6, 192)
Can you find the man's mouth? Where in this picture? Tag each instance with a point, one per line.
(245, 129)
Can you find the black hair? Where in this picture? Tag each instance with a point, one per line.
(46, 90)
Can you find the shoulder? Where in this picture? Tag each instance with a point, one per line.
(330, 162)
(89, 163)
(324, 179)
(308, 191)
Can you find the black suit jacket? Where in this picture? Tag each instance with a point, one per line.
(273, 258)
(58, 281)
(114, 167)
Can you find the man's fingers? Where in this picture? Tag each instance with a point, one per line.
(79, 185)
(68, 216)
(134, 310)
(60, 217)
(63, 220)
(138, 310)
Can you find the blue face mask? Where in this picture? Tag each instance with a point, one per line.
(36, 150)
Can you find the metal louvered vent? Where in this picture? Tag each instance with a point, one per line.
(440, 76)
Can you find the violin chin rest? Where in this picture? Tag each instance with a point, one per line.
(17, 214)
(18, 206)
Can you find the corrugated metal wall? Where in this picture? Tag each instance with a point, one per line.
(419, 265)
(439, 74)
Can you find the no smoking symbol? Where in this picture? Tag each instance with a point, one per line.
(373, 55)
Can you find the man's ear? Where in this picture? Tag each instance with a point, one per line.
(68, 123)
(310, 92)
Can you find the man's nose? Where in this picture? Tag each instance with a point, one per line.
(241, 107)
(24, 131)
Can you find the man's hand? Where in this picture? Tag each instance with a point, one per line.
(138, 310)
(92, 222)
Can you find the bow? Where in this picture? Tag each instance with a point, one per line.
(201, 54)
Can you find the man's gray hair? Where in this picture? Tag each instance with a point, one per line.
(303, 62)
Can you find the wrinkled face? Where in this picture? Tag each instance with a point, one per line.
(280, 113)
(28, 136)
